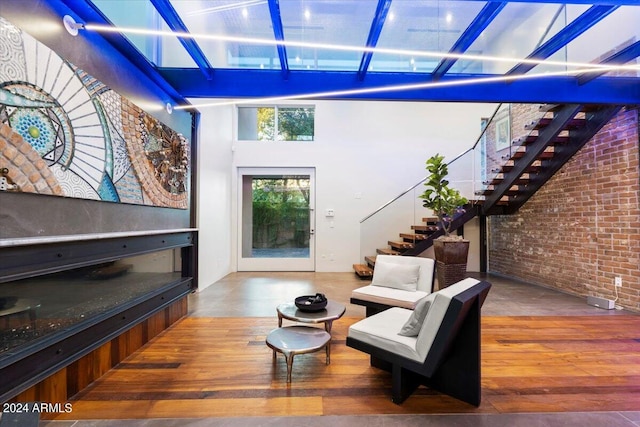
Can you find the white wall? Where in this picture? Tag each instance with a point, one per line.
(365, 153)
(214, 195)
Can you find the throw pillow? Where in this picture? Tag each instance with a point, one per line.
(413, 325)
(397, 276)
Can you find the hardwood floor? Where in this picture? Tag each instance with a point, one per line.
(220, 367)
(548, 359)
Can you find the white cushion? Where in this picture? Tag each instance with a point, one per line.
(381, 330)
(398, 297)
(389, 296)
(412, 327)
(427, 267)
(397, 276)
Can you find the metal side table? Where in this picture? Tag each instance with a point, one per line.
(292, 340)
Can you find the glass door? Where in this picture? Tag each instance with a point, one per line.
(276, 217)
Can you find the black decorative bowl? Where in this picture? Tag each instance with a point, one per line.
(311, 303)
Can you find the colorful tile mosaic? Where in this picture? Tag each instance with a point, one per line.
(65, 133)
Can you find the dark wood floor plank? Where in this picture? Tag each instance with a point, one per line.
(219, 367)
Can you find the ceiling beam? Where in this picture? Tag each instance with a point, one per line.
(171, 17)
(268, 83)
(374, 33)
(587, 2)
(621, 57)
(473, 31)
(278, 33)
(578, 26)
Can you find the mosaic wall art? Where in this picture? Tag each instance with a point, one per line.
(63, 132)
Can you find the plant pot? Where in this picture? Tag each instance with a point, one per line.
(451, 261)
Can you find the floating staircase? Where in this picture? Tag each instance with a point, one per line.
(418, 241)
(551, 141)
(420, 234)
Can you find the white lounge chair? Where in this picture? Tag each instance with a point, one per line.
(398, 281)
(442, 349)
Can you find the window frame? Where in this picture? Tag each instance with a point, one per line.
(276, 108)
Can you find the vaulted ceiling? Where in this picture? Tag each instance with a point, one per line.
(574, 51)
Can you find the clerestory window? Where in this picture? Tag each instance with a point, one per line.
(276, 123)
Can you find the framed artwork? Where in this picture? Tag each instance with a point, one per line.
(503, 129)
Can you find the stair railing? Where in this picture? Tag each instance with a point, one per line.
(400, 213)
(470, 172)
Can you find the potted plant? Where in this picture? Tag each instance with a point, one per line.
(451, 251)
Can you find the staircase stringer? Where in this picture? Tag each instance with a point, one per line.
(580, 131)
(578, 138)
(470, 211)
(545, 138)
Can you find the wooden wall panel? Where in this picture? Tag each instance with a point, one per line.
(28, 395)
(156, 324)
(53, 389)
(86, 370)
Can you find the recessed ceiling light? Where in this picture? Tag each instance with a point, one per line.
(392, 16)
(307, 14)
(245, 12)
(449, 18)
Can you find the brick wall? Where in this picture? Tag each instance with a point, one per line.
(582, 228)
(520, 115)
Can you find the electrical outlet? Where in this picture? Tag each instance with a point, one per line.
(4, 185)
(618, 282)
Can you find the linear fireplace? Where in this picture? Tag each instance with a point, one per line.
(64, 297)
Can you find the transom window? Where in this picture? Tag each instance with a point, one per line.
(276, 123)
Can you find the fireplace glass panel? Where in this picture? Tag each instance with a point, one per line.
(38, 308)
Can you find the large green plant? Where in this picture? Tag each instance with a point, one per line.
(438, 196)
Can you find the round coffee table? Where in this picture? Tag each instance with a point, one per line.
(331, 312)
(292, 340)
